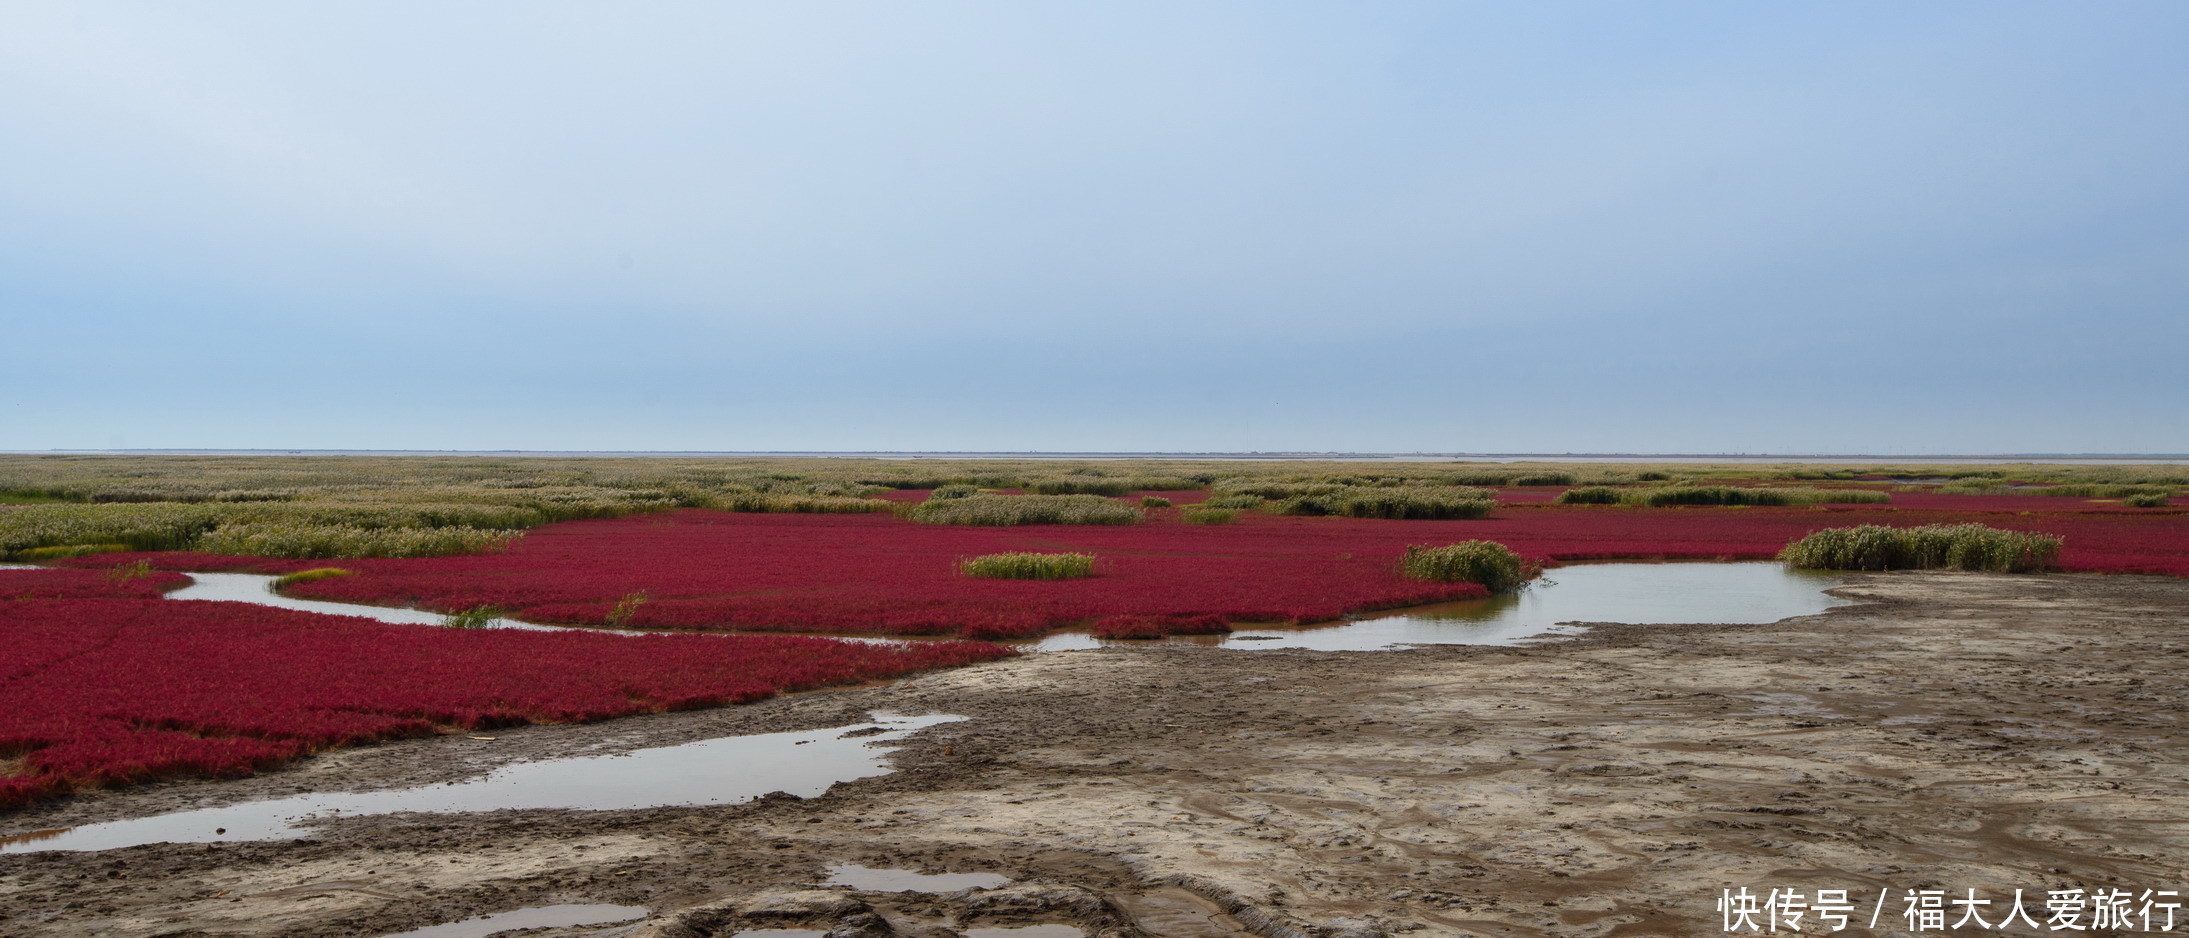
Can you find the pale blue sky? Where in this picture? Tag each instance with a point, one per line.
(1677, 227)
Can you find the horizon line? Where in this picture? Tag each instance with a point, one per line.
(1214, 454)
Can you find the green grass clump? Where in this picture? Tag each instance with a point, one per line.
(1235, 501)
(956, 490)
(129, 571)
(1154, 501)
(1930, 547)
(2151, 500)
(1195, 514)
(27, 498)
(65, 551)
(1408, 503)
(476, 617)
(1006, 510)
(306, 576)
(626, 609)
(1592, 495)
(1489, 563)
(1028, 566)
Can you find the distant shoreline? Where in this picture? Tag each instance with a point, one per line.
(1986, 458)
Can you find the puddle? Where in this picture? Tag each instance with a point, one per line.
(546, 916)
(868, 879)
(731, 770)
(1030, 931)
(1639, 593)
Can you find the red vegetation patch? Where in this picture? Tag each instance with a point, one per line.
(879, 574)
(87, 584)
(111, 691)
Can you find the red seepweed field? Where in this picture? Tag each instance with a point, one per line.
(877, 574)
(102, 691)
(100, 683)
(115, 583)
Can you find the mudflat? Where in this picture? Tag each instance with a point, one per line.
(1952, 732)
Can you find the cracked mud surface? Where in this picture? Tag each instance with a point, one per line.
(1957, 731)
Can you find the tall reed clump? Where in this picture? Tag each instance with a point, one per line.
(1489, 563)
(1411, 503)
(1195, 514)
(135, 526)
(1662, 496)
(783, 503)
(1930, 547)
(2091, 490)
(346, 540)
(1108, 485)
(2150, 500)
(1028, 566)
(1592, 495)
(1007, 510)
(1154, 501)
(954, 490)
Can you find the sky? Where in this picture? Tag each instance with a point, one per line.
(1693, 227)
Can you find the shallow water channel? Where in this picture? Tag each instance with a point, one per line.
(1636, 593)
(253, 588)
(730, 770)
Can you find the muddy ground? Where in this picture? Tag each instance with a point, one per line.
(1956, 731)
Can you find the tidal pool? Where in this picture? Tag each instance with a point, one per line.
(730, 770)
(1638, 593)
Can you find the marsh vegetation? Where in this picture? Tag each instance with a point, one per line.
(1929, 547)
(55, 507)
(1028, 565)
(1489, 563)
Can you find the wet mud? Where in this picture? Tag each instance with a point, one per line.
(1952, 731)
